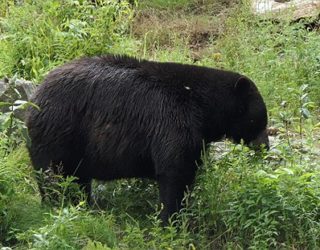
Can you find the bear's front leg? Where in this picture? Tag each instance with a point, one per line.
(171, 189)
(85, 186)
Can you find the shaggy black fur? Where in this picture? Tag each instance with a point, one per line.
(111, 117)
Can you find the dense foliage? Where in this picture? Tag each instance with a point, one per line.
(240, 200)
(38, 35)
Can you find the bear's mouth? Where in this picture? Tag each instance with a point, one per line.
(261, 141)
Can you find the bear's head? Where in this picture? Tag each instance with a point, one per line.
(249, 121)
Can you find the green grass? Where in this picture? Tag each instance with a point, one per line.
(41, 35)
(164, 4)
(240, 200)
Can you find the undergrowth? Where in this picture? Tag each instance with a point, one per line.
(241, 200)
(39, 35)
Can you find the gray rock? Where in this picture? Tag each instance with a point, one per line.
(16, 89)
(3, 85)
(294, 9)
(12, 90)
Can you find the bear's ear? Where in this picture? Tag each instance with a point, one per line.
(242, 85)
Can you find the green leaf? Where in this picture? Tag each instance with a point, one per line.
(305, 113)
(5, 104)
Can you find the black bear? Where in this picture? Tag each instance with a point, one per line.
(111, 117)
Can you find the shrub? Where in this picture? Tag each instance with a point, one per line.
(38, 35)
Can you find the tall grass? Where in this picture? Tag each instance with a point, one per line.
(240, 200)
(38, 35)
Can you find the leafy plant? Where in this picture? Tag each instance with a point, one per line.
(12, 127)
(38, 35)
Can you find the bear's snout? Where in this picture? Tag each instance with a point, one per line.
(262, 139)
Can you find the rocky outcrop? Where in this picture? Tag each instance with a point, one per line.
(15, 92)
(294, 9)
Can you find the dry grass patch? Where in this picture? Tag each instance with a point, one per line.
(194, 25)
(160, 29)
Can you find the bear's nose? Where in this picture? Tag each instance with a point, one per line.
(262, 139)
